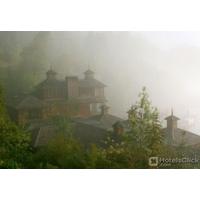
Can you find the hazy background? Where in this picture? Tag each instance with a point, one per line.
(167, 63)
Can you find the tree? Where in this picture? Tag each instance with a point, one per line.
(3, 113)
(9, 49)
(14, 145)
(143, 139)
(63, 150)
(34, 62)
(145, 136)
(35, 55)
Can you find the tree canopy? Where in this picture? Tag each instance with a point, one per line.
(14, 142)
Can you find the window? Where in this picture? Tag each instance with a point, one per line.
(93, 108)
(87, 92)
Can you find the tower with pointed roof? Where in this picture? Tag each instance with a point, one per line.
(172, 122)
(91, 91)
(89, 74)
(51, 75)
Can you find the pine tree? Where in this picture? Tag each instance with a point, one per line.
(145, 137)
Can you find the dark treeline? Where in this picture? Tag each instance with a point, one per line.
(23, 60)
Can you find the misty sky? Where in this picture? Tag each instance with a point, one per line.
(167, 63)
(178, 75)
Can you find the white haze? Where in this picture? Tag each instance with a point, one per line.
(167, 63)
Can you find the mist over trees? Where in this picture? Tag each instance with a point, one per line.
(124, 61)
(25, 57)
(22, 61)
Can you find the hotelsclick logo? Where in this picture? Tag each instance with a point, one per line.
(153, 161)
(159, 161)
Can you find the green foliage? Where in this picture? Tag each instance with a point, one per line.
(115, 156)
(61, 152)
(143, 140)
(145, 125)
(132, 150)
(14, 142)
(64, 126)
(3, 113)
(22, 67)
(14, 146)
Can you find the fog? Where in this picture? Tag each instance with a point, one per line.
(167, 63)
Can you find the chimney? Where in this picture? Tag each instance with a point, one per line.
(72, 86)
(172, 122)
(104, 110)
(118, 128)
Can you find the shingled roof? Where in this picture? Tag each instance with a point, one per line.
(54, 82)
(30, 102)
(183, 136)
(91, 83)
(89, 72)
(100, 121)
(44, 135)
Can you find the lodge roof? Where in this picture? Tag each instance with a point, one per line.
(172, 117)
(184, 136)
(51, 72)
(51, 82)
(30, 102)
(44, 135)
(91, 83)
(100, 121)
(89, 71)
